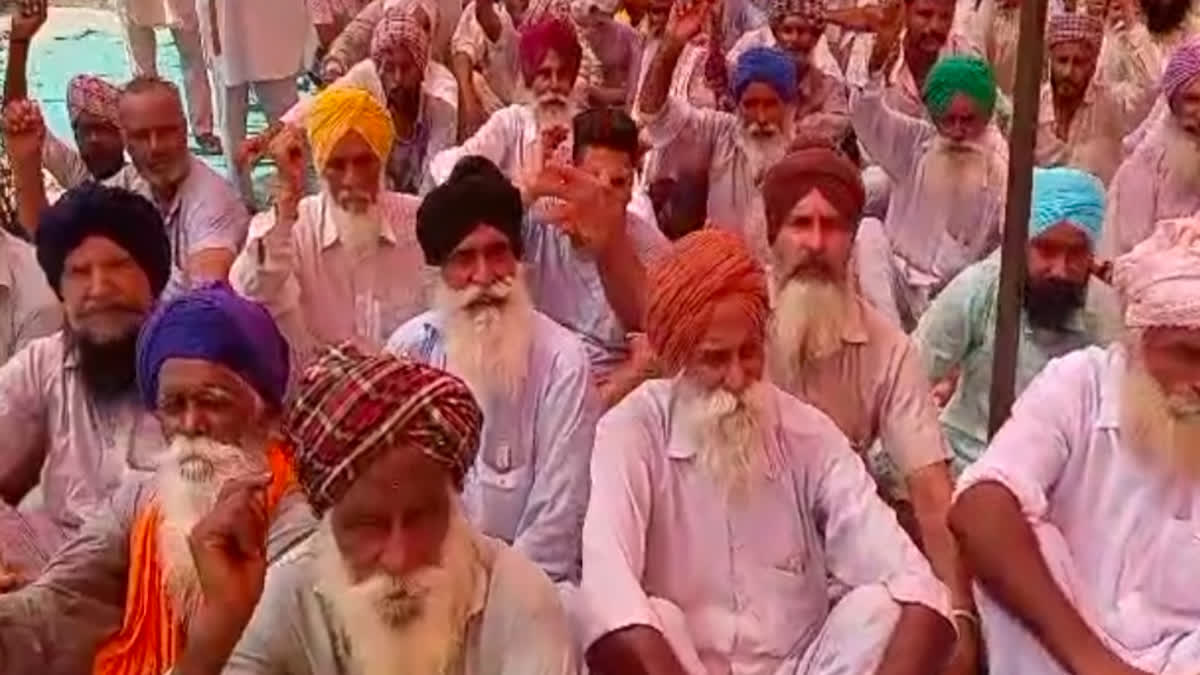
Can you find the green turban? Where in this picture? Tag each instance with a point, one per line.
(959, 74)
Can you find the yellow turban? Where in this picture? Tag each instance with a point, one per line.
(342, 109)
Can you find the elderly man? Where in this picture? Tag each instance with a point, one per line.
(204, 216)
(395, 579)
(485, 61)
(68, 410)
(736, 149)
(344, 264)
(617, 48)
(1161, 179)
(530, 375)
(1083, 119)
(1080, 519)
(948, 184)
(1064, 309)
(123, 596)
(722, 506)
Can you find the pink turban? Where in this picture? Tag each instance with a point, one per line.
(546, 35)
(703, 267)
(90, 94)
(1159, 280)
(1075, 28)
(1183, 67)
(399, 29)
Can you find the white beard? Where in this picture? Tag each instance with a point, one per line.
(188, 480)
(807, 324)
(488, 345)
(728, 432)
(1182, 156)
(763, 152)
(552, 110)
(357, 231)
(1163, 428)
(412, 625)
(955, 172)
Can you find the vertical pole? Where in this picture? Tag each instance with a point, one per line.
(1026, 97)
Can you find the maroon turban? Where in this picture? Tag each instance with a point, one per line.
(819, 168)
(551, 33)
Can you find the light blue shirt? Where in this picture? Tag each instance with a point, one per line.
(530, 482)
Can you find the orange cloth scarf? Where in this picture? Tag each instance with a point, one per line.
(151, 634)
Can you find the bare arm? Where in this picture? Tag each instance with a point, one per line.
(210, 264)
(637, 650)
(918, 645)
(658, 77)
(489, 20)
(24, 27)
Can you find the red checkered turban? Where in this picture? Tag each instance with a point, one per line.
(90, 94)
(351, 406)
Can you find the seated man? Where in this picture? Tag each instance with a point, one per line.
(1064, 308)
(123, 596)
(721, 507)
(530, 375)
(618, 50)
(343, 264)
(1082, 519)
(394, 580)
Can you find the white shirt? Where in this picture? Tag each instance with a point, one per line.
(261, 40)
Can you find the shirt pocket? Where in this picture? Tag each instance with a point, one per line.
(498, 489)
(1173, 582)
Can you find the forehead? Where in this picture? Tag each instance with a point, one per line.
(813, 205)
(90, 120)
(187, 375)
(600, 157)
(401, 476)
(150, 105)
(760, 92)
(963, 106)
(731, 324)
(95, 249)
(483, 236)
(797, 22)
(931, 5)
(1073, 49)
(1063, 234)
(552, 59)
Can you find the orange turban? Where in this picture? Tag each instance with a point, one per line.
(703, 267)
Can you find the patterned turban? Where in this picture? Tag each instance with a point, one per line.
(768, 65)
(90, 94)
(959, 74)
(1159, 280)
(1182, 69)
(1063, 195)
(543, 9)
(351, 406)
(341, 109)
(549, 33)
(814, 168)
(476, 193)
(1070, 27)
(213, 323)
(809, 10)
(702, 268)
(398, 29)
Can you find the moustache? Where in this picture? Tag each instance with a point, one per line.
(763, 129)
(492, 295)
(108, 309)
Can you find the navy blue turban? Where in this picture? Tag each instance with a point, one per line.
(767, 65)
(476, 193)
(214, 323)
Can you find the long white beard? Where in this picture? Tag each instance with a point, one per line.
(357, 231)
(188, 480)
(1161, 427)
(955, 171)
(552, 110)
(763, 152)
(488, 345)
(728, 431)
(411, 625)
(1182, 156)
(807, 324)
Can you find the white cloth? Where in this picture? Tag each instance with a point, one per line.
(1121, 536)
(260, 41)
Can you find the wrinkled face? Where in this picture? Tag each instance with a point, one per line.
(552, 79)
(1185, 105)
(203, 399)
(393, 519)
(797, 36)
(656, 16)
(156, 135)
(730, 354)
(614, 168)
(1072, 65)
(927, 24)
(1172, 357)
(963, 121)
(100, 144)
(353, 173)
(106, 294)
(484, 257)
(815, 241)
(400, 76)
(762, 110)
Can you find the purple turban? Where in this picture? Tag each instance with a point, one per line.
(1182, 69)
(214, 323)
(768, 65)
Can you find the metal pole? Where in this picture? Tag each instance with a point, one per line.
(1026, 95)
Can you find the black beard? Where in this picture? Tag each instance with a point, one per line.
(1050, 302)
(1163, 16)
(109, 369)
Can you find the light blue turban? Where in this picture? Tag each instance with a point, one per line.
(1066, 195)
(767, 65)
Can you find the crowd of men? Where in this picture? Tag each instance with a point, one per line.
(647, 337)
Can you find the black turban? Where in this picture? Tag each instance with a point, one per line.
(476, 193)
(95, 210)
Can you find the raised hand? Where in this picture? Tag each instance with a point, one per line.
(24, 131)
(688, 18)
(286, 148)
(590, 211)
(887, 25)
(331, 70)
(27, 21)
(229, 547)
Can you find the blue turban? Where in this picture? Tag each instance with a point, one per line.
(214, 323)
(1066, 195)
(768, 65)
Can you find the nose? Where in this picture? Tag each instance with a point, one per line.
(735, 379)
(1058, 267)
(193, 423)
(394, 559)
(482, 272)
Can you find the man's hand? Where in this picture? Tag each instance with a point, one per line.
(27, 21)
(887, 25)
(471, 115)
(10, 579)
(687, 19)
(229, 547)
(590, 212)
(286, 149)
(966, 658)
(331, 70)
(24, 132)
(548, 141)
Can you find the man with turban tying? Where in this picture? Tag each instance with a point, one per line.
(1080, 520)
(343, 264)
(948, 182)
(736, 149)
(530, 376)
(125, 596)
(1083, 119)
(721, 507)
(1161, 178)
(829, 348)
(1064, 308)
(69, 412)
(395, 579)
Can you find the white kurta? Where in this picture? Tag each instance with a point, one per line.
(260, 41)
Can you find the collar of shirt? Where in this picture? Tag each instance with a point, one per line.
(329, 233)
(1108, 416)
